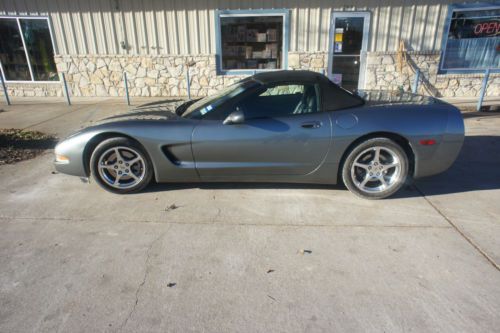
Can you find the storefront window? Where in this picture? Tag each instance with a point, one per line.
(12, 54)
(472, 40)
(251, 42)
(26, 52)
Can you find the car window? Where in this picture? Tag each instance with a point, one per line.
(209, 106)
(286, 89)
(281, 100)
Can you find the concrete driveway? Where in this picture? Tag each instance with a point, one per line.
(247, 258)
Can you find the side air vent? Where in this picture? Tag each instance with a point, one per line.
(170, 156)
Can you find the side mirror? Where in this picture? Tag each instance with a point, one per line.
(236, 117)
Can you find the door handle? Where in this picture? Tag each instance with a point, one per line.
(311, 124)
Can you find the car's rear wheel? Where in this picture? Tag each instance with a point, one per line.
(121, 165)
(375, 169)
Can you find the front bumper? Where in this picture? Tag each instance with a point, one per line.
(73, 148)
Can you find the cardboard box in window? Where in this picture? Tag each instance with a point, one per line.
(242, 33)
(248, 52)
(271, 64)
(261, 37)
(252, 35)
(272, 49)
(267, 54)
(272, 35)
(252, 64)
(257, 54)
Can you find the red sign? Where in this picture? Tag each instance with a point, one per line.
(487, 29)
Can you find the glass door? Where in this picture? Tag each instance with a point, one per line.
(348, 45)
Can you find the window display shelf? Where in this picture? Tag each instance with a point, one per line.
(251, 42)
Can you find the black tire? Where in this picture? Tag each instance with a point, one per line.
(129, 150)
(389, 178)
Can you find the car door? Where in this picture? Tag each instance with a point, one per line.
(283, 133)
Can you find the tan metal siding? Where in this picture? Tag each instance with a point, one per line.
(188, 26)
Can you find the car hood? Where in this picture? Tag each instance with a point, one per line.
(386, 97)
(139, 115)
(149, 114)
(160, 111)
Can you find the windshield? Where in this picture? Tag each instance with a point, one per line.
(210, 103)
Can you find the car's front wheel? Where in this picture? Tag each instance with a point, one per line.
(121, 165)
(375, 169)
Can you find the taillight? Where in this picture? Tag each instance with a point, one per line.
(427, 142)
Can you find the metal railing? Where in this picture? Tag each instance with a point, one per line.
(5, 92)
(483, 90)
(65, 86)
(125, 81)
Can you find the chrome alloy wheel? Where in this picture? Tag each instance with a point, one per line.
(121, 167)
(376, 169)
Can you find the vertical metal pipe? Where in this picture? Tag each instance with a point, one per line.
(188, 83)
(66, 92)
(126, 87)
(483, 90)
(5, 93)
(415, 83)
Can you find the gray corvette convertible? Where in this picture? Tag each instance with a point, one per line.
(282, 126)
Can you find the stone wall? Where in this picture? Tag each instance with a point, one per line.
(53, 89)
(148, 76)
(154, 76)
(382, 72)
(317, 61)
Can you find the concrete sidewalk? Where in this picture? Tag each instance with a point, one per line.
(54, 116)
(490, 103)
(227, 257)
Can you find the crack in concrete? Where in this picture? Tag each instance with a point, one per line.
(216, 215)
(240, 224)
(457, 229)
(53, 118)
(139, 288)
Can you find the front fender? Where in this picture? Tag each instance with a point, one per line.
(155, 137)
(73, 149)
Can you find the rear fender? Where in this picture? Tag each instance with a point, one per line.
(411, 123)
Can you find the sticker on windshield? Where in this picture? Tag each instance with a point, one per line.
(206, 109)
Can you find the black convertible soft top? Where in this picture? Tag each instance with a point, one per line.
(283, 76)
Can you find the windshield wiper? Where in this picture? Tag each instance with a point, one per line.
(183, 107)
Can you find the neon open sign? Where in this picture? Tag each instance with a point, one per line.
(487, 29)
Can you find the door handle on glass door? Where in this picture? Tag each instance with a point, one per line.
(311, 124)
